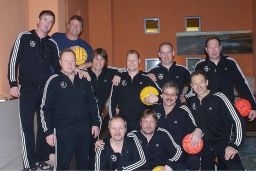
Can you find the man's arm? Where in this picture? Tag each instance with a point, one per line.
(113, 101)
(174, 150)
(100, 159)
(235, 119)
(243, 89)
(93, 110)
(55, 56)
(138, 157)
(13, 65)
(47, 107)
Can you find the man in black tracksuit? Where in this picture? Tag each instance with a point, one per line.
(215, 115)
(101, 81)
(168, 70)
(224, 74)
(121, 151)
(178, 120)
(158, 144)
(101, 77)
(69, 105)
(126, 96)
(33, 59)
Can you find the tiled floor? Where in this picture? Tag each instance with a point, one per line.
(248, 153)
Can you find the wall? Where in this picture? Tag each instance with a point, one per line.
(216, 15)
(101, 25)
(79, 7)
(24, 18)
(36, 6)
(11, 24)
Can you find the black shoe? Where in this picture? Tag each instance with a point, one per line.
(44, 166)
(30, 169)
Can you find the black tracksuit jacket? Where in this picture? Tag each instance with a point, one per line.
(102, 85)
(179, 122)
(35, 58)
(132, 156)
(160, 150)
(126, 96)
(65, 103)
(215, 115)
(225, 76)
(176, 73)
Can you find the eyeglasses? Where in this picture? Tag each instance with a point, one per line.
(171, 95)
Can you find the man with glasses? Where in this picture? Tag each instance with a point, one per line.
(179, 121)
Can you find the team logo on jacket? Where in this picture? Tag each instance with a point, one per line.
(160, 76)
(124, 82)
(210, 108)
(206, 69)
(193, 106)
(113, 158)
(158, 115)
(32, 43)
(177, 77)
(105, 81)
(63, 84)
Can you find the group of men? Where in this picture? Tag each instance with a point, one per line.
(44, 75)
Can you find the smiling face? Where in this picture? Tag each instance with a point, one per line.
(166, 54)
(199, 85)
(169, 96)
(133, 62)
(74, 28)
(98, 62)
(117, 129)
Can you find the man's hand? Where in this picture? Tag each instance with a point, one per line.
(152, 76)
(230, 152)
(252, 115)
(51, 140)
(82, 74)
(95, 131)
(116, 80)
(196, 137)
(167, 168)
(15, 92)
(151, 99)
(98, 144)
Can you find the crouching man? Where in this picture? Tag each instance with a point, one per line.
(121, 151)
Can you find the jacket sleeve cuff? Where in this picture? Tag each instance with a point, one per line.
(96, 124)
(48, 132)
(13, 84)
(234, 146)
